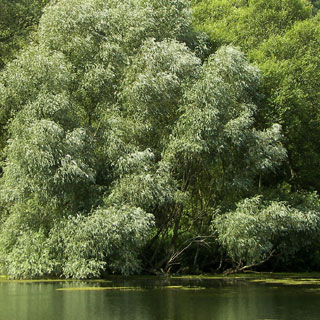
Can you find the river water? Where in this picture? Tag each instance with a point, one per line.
(157, 299)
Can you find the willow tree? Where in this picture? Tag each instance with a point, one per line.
(72, 148)
(258, 231)
(115, 124)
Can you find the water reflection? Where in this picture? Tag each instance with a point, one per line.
(220, 300)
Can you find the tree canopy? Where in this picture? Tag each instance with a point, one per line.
(281, 37)
(129, 137)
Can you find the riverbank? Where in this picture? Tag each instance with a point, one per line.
(263, 277)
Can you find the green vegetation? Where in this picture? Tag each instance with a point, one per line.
(290, 282)
(282, 37)
(100, 289)
(141, 136)
(254, 276)
(18, 20)
(126, 288)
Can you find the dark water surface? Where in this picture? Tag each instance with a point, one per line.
(155, 300)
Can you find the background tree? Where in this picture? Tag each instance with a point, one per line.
(247, 23)
(282, 37)
(290, 64)
(18, 19)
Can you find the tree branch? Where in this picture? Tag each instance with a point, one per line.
(242, 269)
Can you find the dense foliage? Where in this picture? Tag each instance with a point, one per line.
(18, 19)
(130, 138)
(282, 37)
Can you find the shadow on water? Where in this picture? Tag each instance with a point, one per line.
(158, 298)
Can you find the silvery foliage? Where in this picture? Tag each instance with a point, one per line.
(105, 110)
(62, 96)
(45, 160)
(106, 238)
(216, 128)
(142, 182)
(29, 257)
(256, 229)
